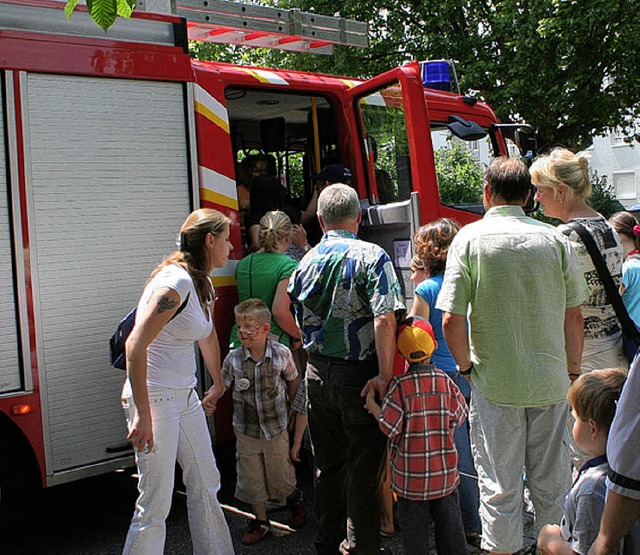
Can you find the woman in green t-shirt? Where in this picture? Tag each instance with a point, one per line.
(265, 275)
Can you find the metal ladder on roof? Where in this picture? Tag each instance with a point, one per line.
(229, 22)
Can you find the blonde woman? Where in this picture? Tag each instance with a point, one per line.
(265, 275)
(563, 183)
(165, 418)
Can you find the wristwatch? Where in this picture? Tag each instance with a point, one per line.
(466, 372)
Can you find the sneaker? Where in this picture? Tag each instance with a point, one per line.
(473, 539)
(256, 530)
(298, 510)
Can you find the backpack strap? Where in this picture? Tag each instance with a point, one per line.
(629, 329)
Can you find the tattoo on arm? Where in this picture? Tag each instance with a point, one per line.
(165, 304)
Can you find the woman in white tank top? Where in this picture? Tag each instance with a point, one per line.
(165, 418)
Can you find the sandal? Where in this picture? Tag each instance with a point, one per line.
(256, 530)
(385, 534)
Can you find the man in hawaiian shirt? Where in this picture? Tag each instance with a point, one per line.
(346, 295)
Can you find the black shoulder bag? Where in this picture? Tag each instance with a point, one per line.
(631, 335)
(117, 354)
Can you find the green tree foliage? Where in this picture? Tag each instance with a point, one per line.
(459, 175)
(603, 199)
(103, 12)
(568, 67)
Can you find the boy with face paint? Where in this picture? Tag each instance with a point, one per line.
(263, 378)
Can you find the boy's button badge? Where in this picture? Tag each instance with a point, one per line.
(243, 384)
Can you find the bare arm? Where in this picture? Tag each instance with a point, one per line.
(372, 406)
(550, 541)
(311, 209)
(620, 513)
(210, 349)
(298, 434)
(574, 340)
(281, 310)
(384, 329)
(299, 238)
(420, 307)
(292, 389)
(157, 313)
(455, 334)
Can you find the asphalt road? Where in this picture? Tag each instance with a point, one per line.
(91, 517)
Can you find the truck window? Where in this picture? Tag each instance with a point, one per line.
(460, 167)
(387, 146)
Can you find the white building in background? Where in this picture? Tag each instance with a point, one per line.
(619, 161)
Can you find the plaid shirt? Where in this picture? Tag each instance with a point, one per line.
(420, 413)
(259, 391)
(339, 287)
(301, 399)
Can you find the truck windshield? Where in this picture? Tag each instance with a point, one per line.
(460, 166)
(387, 146)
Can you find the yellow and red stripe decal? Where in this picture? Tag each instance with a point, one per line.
(350, 82)
(208, 107)
(215, 187)
(225, 277)
(264, 76)
(218, 188)
(375, 99)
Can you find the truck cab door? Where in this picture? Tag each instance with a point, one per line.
(395, 155)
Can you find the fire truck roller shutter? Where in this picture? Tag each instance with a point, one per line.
(10, 379)
(110, 187)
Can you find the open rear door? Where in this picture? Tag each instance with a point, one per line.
(397, 155)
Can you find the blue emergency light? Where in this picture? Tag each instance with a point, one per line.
(439, 75)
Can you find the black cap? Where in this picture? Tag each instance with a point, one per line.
(334, 173)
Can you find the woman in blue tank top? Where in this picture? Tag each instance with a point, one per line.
(432, 245)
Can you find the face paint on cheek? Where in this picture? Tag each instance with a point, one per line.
(247, 329)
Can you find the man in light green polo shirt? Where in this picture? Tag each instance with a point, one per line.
(521, 287)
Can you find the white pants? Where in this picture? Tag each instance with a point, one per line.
(180, 433)
(505, 442)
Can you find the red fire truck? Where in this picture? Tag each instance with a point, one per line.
(108, 141)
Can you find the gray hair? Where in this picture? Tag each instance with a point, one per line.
(338, 203)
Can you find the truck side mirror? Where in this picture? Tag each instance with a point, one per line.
(525, 139)
(523, 135)
(465, 130)
(531, 205)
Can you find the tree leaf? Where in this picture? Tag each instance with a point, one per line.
(69, 7)
(125, 8)
(103, 12)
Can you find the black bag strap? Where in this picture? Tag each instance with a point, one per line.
(251, 275)
(181, 307)
(629, 329)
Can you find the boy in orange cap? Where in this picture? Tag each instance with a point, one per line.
(420, 414)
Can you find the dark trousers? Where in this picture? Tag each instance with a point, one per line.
(350, 450)
(415, 525)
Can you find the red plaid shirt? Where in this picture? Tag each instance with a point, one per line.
(420, 414)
